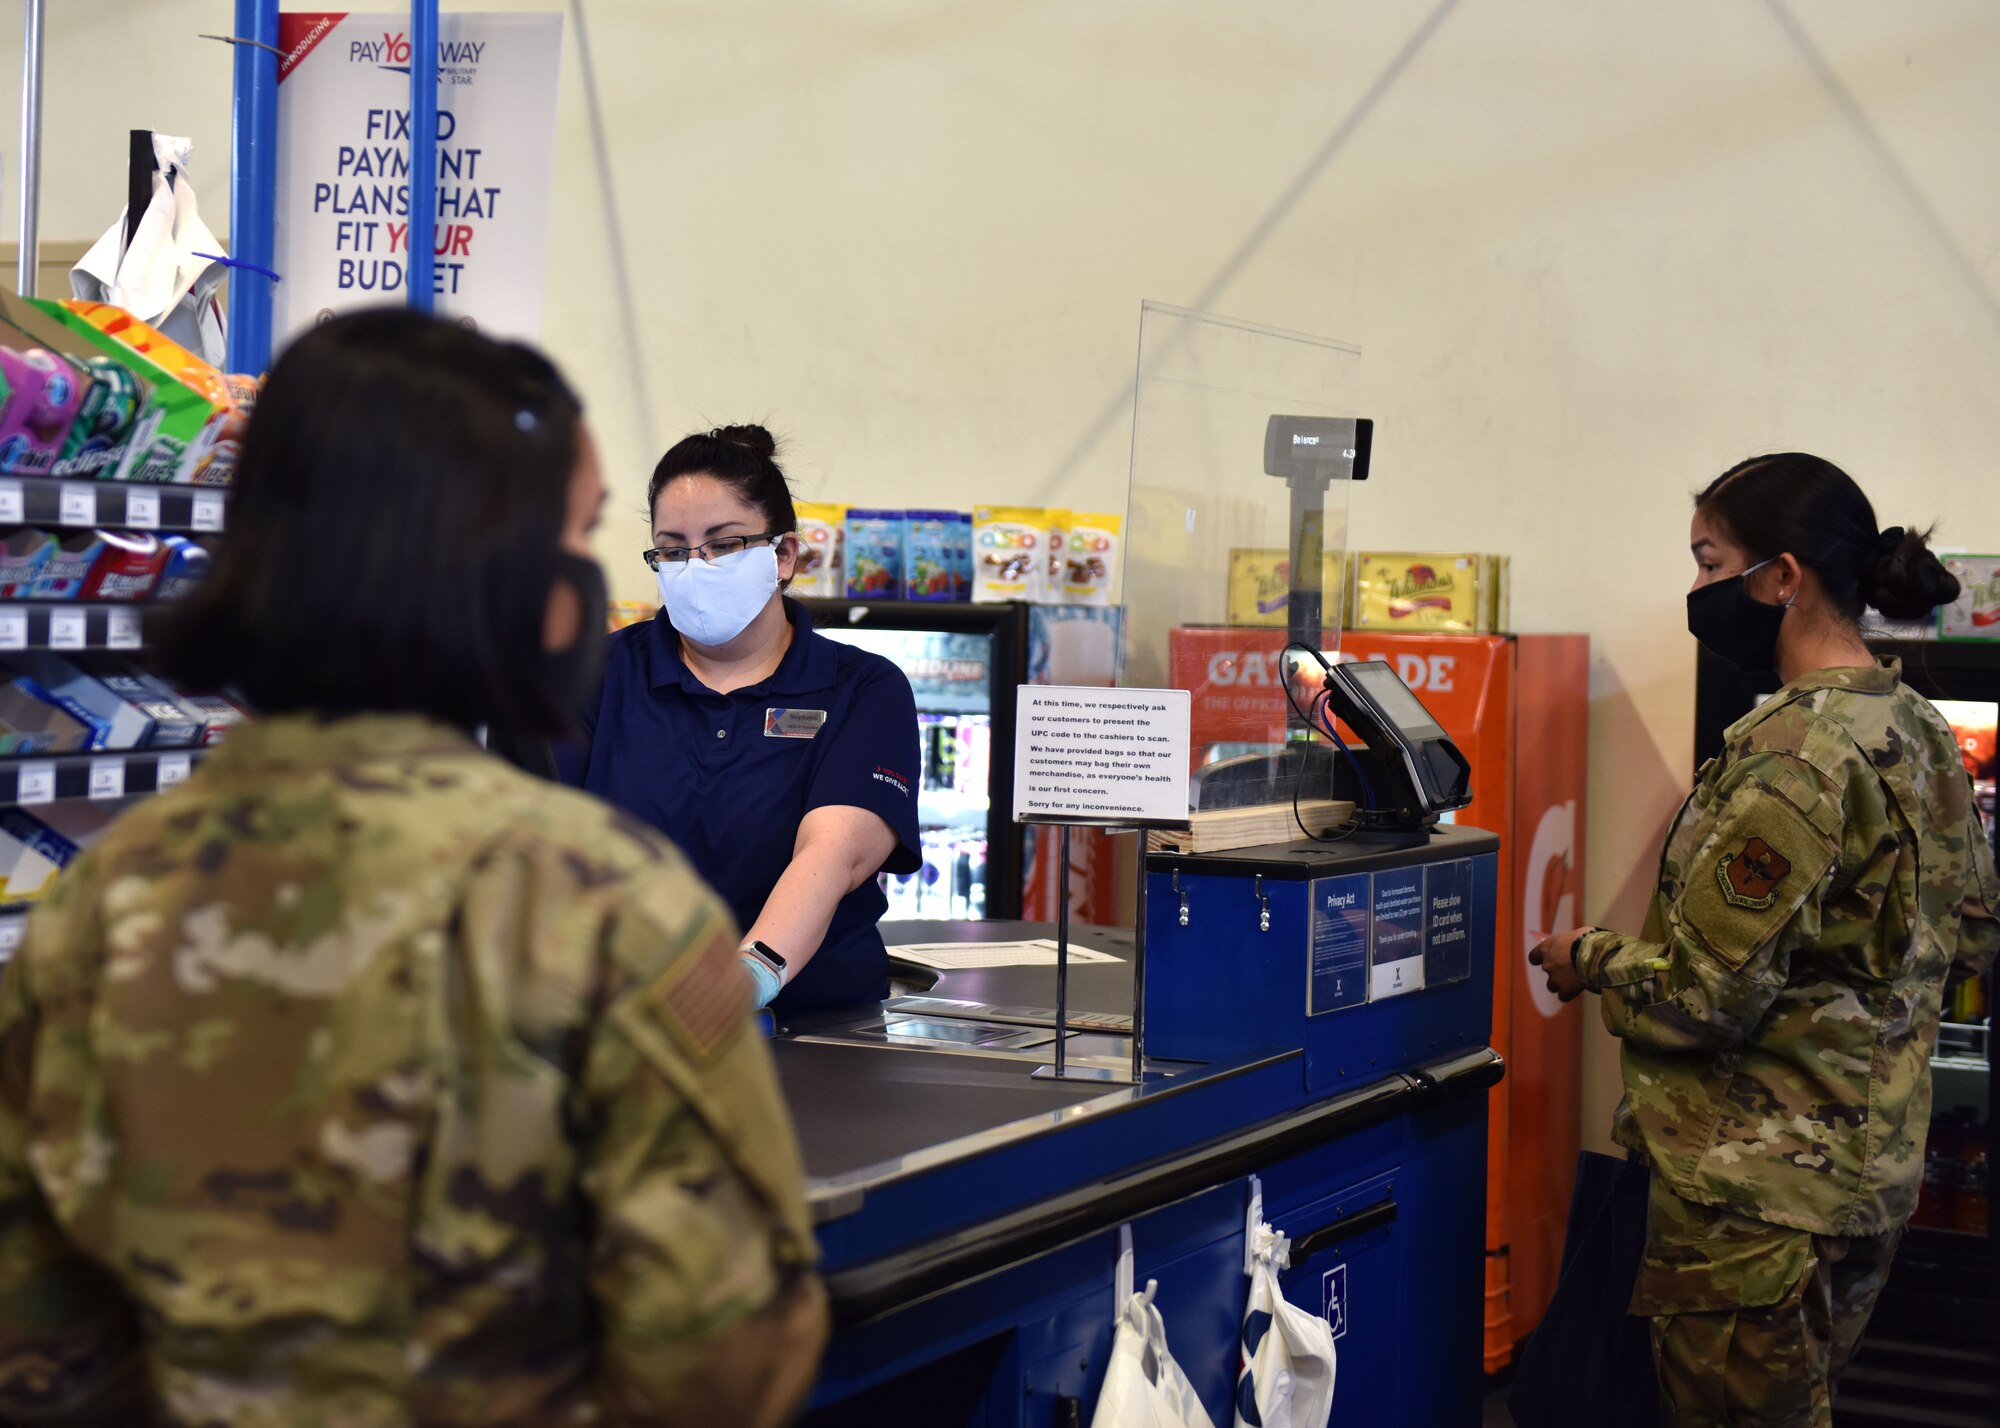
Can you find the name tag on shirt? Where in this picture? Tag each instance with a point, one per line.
(793, 723)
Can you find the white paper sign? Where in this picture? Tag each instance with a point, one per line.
(11, 509)
(11, 929)
(1108, 756)
(963, 956)
(343, 156)
(142, 510)
(68, 629)
(13, 629)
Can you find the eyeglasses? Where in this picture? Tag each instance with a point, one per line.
(710, 551)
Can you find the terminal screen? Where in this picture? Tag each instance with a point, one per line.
(1381, 684)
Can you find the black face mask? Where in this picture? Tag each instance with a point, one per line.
(570, 674)
(1732, 623)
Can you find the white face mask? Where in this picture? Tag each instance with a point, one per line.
(712, 602)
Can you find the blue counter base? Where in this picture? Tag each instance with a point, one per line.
(968, 1215)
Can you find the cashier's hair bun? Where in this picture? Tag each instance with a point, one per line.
(1807, 507)
(742, 457)
(753, 439)
(1903, 579)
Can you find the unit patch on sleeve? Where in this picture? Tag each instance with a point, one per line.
(1749, 879)
(793, 723)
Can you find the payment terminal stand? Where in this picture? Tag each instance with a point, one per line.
(1308, 453)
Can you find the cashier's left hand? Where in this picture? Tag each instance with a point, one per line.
(1556, 956)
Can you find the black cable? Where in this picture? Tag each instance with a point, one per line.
(1326, 722)
(1312, 721)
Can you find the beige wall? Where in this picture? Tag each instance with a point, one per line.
(1592, 254)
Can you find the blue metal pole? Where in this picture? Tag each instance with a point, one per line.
(253, 185)
(423, 152)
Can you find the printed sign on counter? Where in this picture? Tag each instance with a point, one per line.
(1115, 757)
(1339, 944)
(343, 225)
(1447, 922)
(1396, 955)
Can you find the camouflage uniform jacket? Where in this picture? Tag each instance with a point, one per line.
(1779, 1013)
(365, 1081)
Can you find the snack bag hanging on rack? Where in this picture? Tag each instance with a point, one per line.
(1286, 1380)
(167, 276)
(1143, 1386)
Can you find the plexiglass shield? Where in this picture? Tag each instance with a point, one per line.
(1245, 440)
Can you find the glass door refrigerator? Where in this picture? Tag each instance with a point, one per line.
(964, 662)
(1932, 1350)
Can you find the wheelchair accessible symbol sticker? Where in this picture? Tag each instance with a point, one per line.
(1334, 1286)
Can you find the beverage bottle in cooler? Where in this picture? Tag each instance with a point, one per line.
(975, 744)
(1937, 1198)
(927, 745)
(961, 879)
(944, 754)
(976, 872)
(934, 888)
(900, 890)
(1970, 1210)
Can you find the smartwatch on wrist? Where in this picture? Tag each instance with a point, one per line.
(762, 952)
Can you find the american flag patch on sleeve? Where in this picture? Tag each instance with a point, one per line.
(708, 999)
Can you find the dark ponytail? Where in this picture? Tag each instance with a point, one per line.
(741, 457)
(1903, 579)
(1805, 506)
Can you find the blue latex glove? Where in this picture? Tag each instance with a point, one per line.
(767, 981)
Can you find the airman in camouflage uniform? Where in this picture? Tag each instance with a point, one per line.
(1778, 1016)
(365, 1081)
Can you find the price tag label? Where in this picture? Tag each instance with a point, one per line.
(107, 778)
(13, 629)
(68, 629)
(12, 512)
(77, 505)
(37, 784)
(207, 514)
(11, 930)
(142, 509)
(122, 630)
(174, 768)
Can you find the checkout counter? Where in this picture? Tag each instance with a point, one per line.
(1315, 1013)
(968, 1211)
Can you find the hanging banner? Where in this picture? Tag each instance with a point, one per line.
(343, 166)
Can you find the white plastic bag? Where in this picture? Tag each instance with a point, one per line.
(1288, 1354)
(162, 279)
(1143, 1386)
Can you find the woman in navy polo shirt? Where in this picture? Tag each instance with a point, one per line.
(782, 762)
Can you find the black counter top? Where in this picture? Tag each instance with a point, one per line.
(858, 1105)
